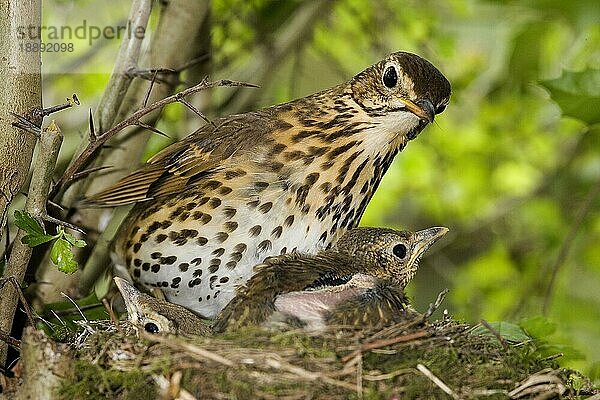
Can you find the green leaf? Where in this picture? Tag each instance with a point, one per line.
(577, 94)
(36, 239)
(538, 327)
(508, 331)
(26, 222)
(73, 240)
(35, 232)
(102, 284)
(62, 256)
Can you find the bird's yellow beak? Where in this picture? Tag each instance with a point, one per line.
(424, 239)
(423, 109)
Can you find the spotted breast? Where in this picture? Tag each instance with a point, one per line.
(291, 177)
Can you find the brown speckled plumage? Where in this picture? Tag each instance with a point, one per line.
(291, 177)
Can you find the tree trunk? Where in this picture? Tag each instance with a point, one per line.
(20, 92)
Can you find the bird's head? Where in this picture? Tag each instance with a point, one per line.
(158, 316)
(386, 253)
(403, 92)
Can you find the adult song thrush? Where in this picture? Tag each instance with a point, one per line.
(290, 177)
(359, 281)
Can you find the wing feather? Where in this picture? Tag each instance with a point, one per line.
(196, 157)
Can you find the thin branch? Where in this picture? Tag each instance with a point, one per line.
(26, 124)
(435, 305)
(85, 157)
(196, 111)
(384, 343)
(13, 281)
(57, 221)
(568, 242)
(152, 129)
(6, 338)
(189, 348)
(490, 328)
(437, 381)
(88, 171)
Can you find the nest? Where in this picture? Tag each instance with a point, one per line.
(411, 360)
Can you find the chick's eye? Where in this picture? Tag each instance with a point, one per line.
(151, 327)
(400, 250)
(390, 77)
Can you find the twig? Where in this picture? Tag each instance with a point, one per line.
(308, 375)
(359, 377)
(188, 347)
(126, 61)
(76, 306)
(568, 242)
(505, 345)
(26, 124)
(13, 281)
(437, 381)
(552, 357)
(10, 340)
(60, 222)
(118, 84)
(88, 171)
(85, 157)
(111, 312)
(390, 375)
(435, 305)
(384, 343)
(43, 170)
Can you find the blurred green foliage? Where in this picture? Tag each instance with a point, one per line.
(512, 167)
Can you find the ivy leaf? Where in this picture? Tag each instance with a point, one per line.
(62, 256)
(35, 232)
(577, 94)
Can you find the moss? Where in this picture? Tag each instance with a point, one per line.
(90, 381)
(268, 364)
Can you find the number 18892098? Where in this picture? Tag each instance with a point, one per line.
(52, 47)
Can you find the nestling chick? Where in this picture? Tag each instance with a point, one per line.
(359, 281)
(159, 316)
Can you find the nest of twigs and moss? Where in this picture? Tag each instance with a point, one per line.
(412, 360)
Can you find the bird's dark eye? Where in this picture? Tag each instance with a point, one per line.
(151, 327)
(390, 77)
(400, 250)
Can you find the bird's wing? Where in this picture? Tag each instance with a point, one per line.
(184, 163)
(255, 301)
(379, 306)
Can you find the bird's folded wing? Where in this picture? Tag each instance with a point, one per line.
(186, 162)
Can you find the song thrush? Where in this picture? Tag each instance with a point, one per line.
(159, 316)
(290, 177)
(359, 281)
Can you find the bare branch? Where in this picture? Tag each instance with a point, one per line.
(86, 156)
